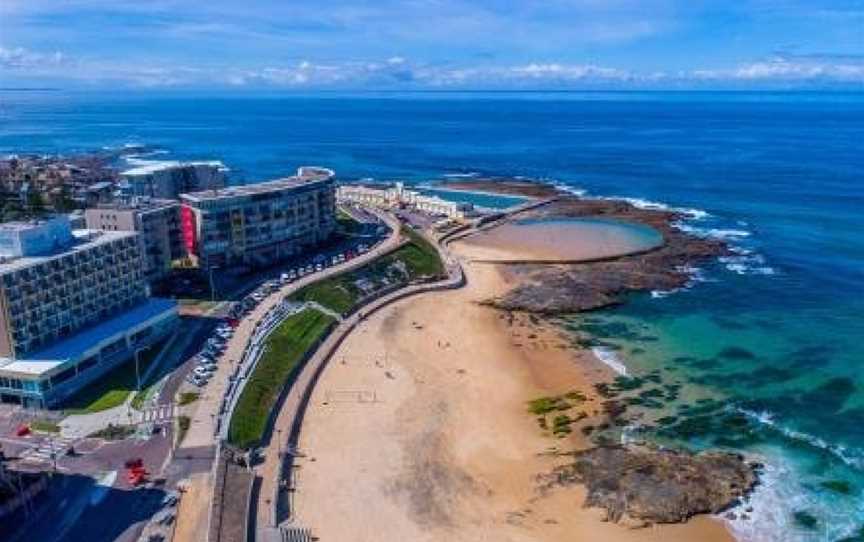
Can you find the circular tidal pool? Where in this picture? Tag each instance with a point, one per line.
(562, 240)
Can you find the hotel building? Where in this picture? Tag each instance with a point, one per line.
(398, 196)
(259, 224)
(157, 222)
(73, 305)
(169, 179)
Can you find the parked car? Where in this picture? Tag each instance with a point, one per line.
(170, 499)
(202, 372)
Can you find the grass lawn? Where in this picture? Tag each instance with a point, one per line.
(114, 432)
(285, 348)
(112, 388)
(337, 293)
(188, 397)
(340, 294)
(419, 256)
(44, 426)
(183, 423)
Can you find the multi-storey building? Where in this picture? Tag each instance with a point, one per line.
(157, 222)
(259, 224)
(398, 196)
(170, 179)
(73, 304)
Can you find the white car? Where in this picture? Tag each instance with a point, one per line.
(201, 372)
(170, 499)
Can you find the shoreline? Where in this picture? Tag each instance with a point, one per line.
(471, 466)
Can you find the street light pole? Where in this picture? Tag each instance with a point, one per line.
(210, 269)
(137, 372)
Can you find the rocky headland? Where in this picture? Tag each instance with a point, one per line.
(568, 288)
(654, 485)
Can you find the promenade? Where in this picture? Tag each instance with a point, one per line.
(275, 492)
(204, 430)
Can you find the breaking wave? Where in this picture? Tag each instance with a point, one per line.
(610, 359)
(849, 456)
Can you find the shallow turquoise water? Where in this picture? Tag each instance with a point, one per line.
(637, 236)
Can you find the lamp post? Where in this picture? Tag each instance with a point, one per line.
(210, 270)
(137, 371)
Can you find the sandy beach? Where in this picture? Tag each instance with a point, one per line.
(418, 429)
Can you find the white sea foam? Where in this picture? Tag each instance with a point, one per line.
(745, 262)
(771, 506)
(725, 234)
(850, 456)
(469, 175)
(610, 359)
(695, 275)
(781, 493)
(640, 203)
(563, 187)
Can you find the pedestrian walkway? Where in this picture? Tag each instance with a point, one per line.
(47, 451)
(156, 414)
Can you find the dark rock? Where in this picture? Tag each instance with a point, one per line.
(657, 485)
(736, 352)
(568, 288)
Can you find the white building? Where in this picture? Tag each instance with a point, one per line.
(73, 305)
(398, 196)
(169, 179)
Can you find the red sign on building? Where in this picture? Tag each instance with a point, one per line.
(187, 225)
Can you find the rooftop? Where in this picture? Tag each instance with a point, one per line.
(84, 240)
(156, 166)
(76, 346)
(136, 203)
(22, 225)
(304, 176)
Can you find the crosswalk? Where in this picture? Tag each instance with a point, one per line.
(156, 414)
(42, 453)
(296, 534)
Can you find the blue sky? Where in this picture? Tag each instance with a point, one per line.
(432, 44)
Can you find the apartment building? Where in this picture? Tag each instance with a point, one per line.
(158, 225)
(169, 179)
(73, 304)
(259, 224)
(398, 196)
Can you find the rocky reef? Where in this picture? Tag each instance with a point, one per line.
(653, 485)
(563, 288)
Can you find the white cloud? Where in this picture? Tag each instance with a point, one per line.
(792, 68)
(403, 73)
(23, 59)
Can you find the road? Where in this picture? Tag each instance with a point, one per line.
(199, 445)
(202, 429)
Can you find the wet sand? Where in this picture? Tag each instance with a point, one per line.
(561, 240)
(418, 430)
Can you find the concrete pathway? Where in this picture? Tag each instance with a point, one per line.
(272, 505)
(203, 426)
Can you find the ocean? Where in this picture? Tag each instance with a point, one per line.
(764, 350)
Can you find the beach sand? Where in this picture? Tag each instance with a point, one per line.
(418, 430)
